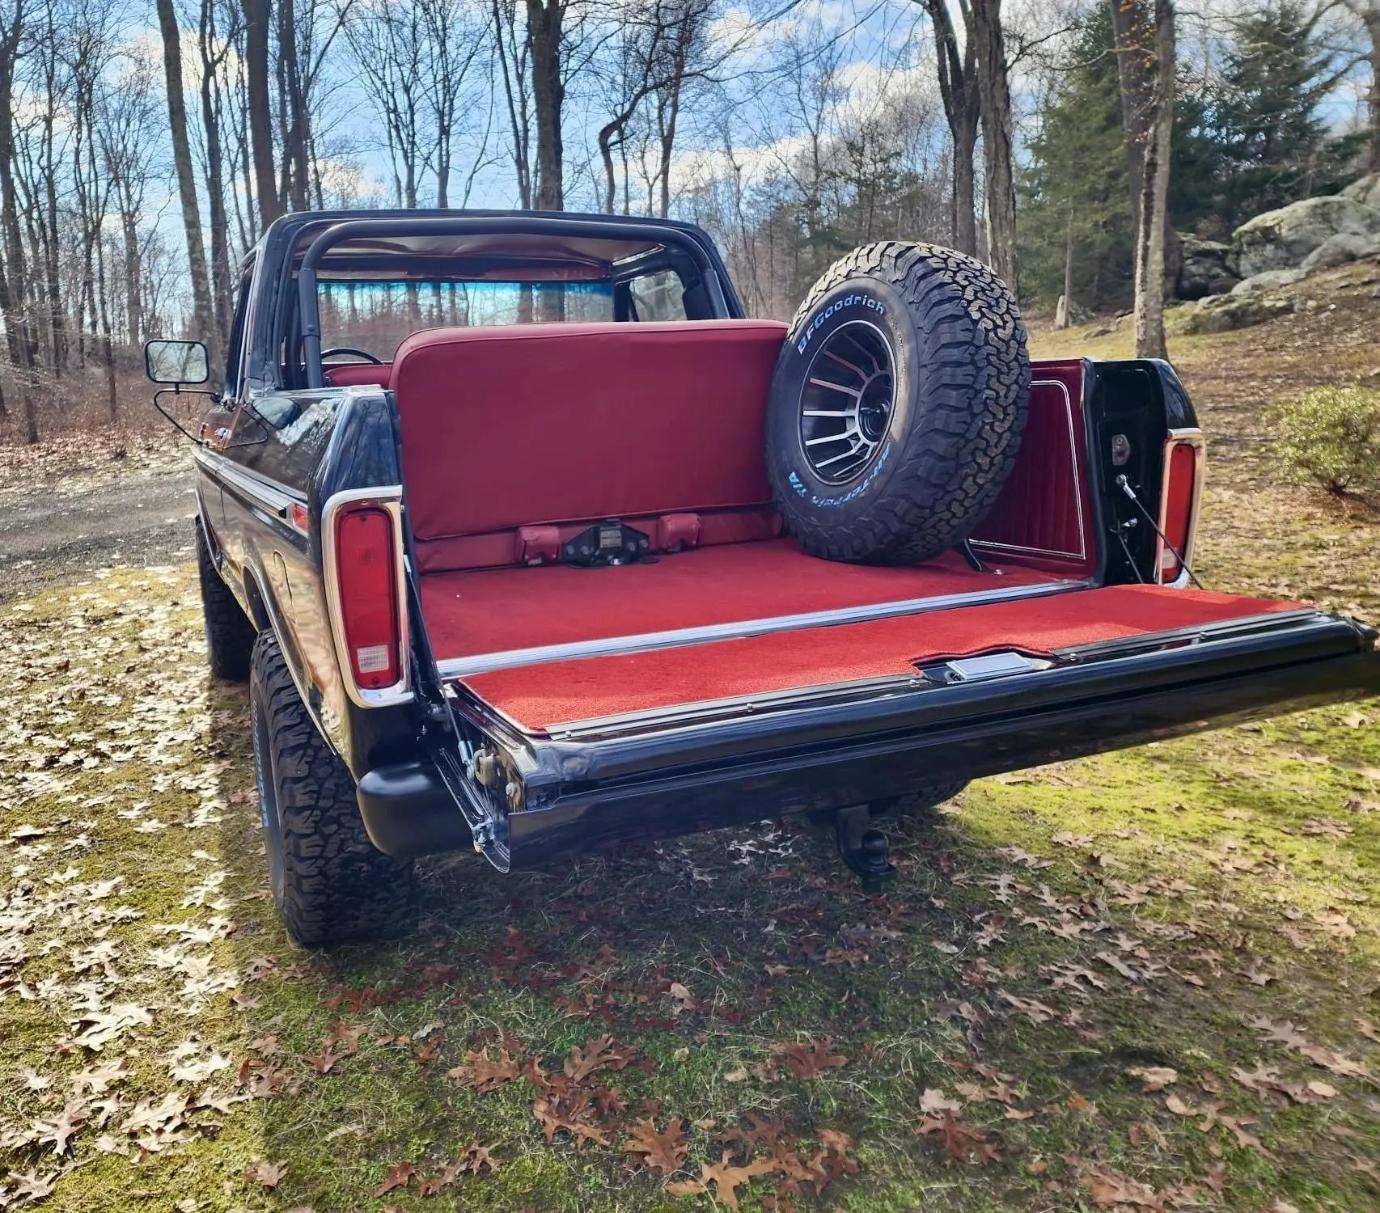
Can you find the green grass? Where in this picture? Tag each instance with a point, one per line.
(1233, 875)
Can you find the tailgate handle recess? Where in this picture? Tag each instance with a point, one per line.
(978, 669)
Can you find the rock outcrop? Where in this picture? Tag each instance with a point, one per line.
(1206, 268)
(1285, 238)
(1366, 191)
(1221, 313)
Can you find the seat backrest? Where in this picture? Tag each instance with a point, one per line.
(352, 374)
(533, 425)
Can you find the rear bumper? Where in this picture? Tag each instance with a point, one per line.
(652, 778)
(408, 811)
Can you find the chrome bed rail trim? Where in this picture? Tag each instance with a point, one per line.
(460, 667)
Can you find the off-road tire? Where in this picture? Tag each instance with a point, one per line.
(330, 883)
(229, 633)
(959, 384)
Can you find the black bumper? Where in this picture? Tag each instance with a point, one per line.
(648, 782)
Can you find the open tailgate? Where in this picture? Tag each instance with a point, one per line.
(569, 754)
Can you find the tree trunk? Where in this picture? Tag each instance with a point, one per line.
(256, 18)
(995, 104)
(1154, 199)
(134, 273)
(545, 36)
(958, 89)
(215, 179)
(13, 296)
(964, 215)
(186, 181)
(1063, 313)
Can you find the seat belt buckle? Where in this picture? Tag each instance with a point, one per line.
(537, 544)
(675, 532)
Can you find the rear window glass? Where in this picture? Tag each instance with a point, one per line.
(374, 316)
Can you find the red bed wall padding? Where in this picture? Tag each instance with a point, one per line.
(542, 696)
(1044, 514)
(550, 423)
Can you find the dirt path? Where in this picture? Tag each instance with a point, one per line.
(48, 533)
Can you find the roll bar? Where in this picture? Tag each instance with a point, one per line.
(474, 225)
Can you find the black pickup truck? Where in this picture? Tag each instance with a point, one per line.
(432, 425)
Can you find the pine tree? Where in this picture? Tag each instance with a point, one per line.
(1076, 210)
(1264, 116)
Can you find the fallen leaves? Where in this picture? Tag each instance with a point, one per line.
(268, 1175)
(1154, 1078)
(726, 1176)
(961, 1142)
(482, 1073)
(661, 1150)
(811, 1059)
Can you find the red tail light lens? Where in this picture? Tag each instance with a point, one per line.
(1176, 513)
(366, 572)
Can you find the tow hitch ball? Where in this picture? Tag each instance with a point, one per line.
(862, 847)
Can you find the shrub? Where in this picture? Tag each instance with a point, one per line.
(1331, 436)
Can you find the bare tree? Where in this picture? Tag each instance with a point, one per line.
(13, 303)
(997, 151)
(1367, 12)
(958, 88)
(1146, 66)
(256, 22)
(658, 53)
(203, 315)
(128, 125)
(514, 60)
(546, 38)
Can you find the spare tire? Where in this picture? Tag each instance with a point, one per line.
(897, 404)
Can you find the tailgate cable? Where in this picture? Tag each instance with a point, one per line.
(1125, 485)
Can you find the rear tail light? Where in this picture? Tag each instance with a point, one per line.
(1183, 469)
(364, 587)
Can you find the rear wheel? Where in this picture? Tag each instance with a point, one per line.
(897, 404)
(330, 883)
(229, 633)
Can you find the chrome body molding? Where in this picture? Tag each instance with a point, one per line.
(388, 499)
(274, 497)
(460, 667)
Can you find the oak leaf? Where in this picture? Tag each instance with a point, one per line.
(398, 1176)
(267, 1175)
(661, 1151)
(726, 1177)
(811, 1059)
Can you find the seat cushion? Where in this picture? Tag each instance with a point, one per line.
(540, 424)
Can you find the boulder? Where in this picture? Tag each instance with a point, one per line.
(1282, 239)
(1222, 313)
(1269, 280)
(1366, 191)
(1340, 249)
(1205, 269)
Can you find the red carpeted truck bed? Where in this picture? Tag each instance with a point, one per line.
(540, 697)
(476, 611)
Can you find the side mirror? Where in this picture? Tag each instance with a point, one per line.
(176, 362)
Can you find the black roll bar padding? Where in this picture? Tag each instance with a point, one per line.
(463, 225)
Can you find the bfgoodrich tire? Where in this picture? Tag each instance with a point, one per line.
(897, 405)
(330, 883)
(229, 634)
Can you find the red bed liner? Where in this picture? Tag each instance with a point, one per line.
(475, 611)
(541, 696)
